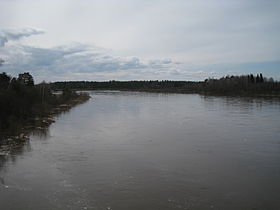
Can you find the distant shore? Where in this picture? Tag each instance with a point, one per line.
(244, 85)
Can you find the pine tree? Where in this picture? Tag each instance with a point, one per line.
(261, 78)
(257, 78)
(26, 79)
(252, 78)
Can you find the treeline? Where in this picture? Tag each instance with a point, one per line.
(21, 100)
(245, 84)
(165, 85)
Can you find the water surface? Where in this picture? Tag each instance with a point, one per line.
(129, 150)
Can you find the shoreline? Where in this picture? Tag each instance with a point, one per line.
(182, 91)
(39, 123)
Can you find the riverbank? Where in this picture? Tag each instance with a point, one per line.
(23, 129)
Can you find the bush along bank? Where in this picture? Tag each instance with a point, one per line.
(25, 106)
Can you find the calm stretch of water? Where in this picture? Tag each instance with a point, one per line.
(144, 151)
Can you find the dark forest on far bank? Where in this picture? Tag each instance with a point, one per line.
(229, 85)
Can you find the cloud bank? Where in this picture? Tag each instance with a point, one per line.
(12, 35)
(84, 62)
(88, 62)
(78, 61)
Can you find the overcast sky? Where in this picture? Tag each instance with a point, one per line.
(139, 39)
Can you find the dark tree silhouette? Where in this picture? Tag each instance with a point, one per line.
(21, 101)
(4, 80)
(238, 85)
(257, 78)
(252, 78)
(26, 79)
(261, 78)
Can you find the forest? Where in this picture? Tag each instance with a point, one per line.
(228, 85)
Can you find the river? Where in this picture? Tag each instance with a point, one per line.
(146, 151)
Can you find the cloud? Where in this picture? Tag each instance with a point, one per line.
(194, 31)
(78, 61)
(83, 62)
(12, 35)
(1, 61)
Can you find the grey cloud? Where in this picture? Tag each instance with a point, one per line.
(160, 63)
(7, 35)
(87, 62)
(65, 62)
(1, 61)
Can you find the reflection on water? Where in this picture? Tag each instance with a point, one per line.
(128, 150)
(11, 149)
